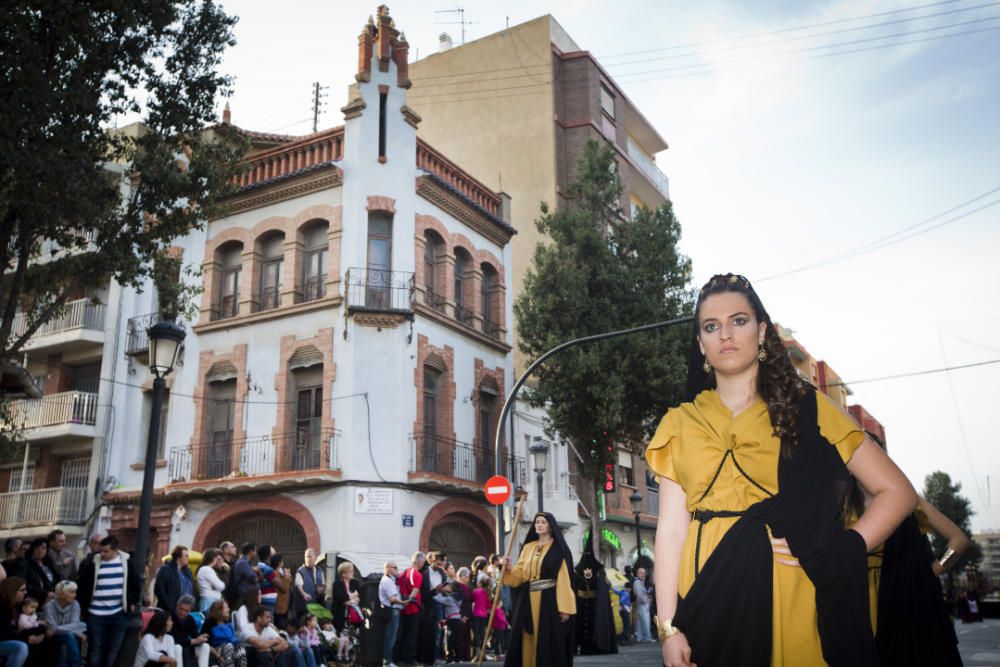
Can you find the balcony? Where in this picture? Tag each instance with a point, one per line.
(434, 456)
(644, 163)
(137, 334)
(81, 325)
(69, 413)
(51, 249)
(264, 456)
(41, 507)
(434, 300)
(492, 329)
(380, 290)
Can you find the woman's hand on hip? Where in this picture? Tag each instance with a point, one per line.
(780, 546)
(563, 617)
(677, 652)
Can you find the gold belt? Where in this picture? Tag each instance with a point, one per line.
(586, 594)
(541, 584)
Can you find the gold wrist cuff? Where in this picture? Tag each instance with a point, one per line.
(946, 558)
(665, 628)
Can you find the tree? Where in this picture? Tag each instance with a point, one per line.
(70, 71)
(946, 495)
(601, 272)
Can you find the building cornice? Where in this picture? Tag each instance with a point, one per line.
(431, 188)
(282, 188)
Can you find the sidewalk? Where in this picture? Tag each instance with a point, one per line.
(979, 643)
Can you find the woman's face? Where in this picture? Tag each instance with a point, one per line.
(225, 611)
(67, 596)
(450, 571)
(729, 334)
(348, 573)
(542, 526)
(170, 625)
(39, 552)
(21, 592)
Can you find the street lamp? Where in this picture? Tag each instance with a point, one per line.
(165, 339)
(539, 450)
(636, 500)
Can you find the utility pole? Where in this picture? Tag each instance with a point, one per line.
(461, 19)
(319, 94)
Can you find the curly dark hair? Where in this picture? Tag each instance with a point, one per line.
(778, 383)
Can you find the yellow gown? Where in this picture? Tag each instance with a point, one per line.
(689, 444)
(528, 568)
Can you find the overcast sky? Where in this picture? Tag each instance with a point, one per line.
(781, 156)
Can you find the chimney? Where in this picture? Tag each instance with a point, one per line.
(445, 42)
(227, 115)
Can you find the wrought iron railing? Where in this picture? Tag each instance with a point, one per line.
(314, 288)
(434, 300)
(68, 407)
(79, 314)
(461, 460)
(228, 306)
(269, 299)
(50, 247)
(380, 289)
(464, 315)
(492, 329)
(253, 457)
(43, 506)
(137, 332)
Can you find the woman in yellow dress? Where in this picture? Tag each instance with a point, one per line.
(754, 566)
(544, 603)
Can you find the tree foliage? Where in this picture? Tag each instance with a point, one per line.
(947, 496)
(111, 200)
(600, 272)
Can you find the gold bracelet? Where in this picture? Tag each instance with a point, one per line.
(948, 555)
(665, 629)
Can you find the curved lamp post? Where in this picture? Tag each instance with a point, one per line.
(165, 340)
(508, 403)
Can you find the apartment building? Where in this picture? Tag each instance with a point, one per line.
(516, 108)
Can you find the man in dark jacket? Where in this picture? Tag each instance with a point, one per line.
(245, 576)
(173, 580)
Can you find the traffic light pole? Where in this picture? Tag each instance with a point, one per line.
(508, 404)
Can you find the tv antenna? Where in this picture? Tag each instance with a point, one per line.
(461, 19)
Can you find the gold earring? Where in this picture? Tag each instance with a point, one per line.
(761, 353)
(707, 367)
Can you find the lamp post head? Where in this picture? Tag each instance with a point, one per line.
(636, 500)
(165, 339)
(539, 450)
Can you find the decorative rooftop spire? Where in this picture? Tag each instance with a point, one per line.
(380, 37)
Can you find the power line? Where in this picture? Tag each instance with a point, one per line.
(961, 425)
(811, 36)
(897, 376)
(896, 237)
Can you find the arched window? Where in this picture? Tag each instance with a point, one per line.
(434, 277)
(489, 295)
(229, 258)
(431, 446)
(378, 279)
(315, 261)
(222, 417)
(462, 263)
(272, 252)
(307, 453)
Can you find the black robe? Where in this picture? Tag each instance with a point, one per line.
(914, 628)
(595, 627)
(727, 613)
(426, 649)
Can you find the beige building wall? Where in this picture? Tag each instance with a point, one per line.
(457, 92)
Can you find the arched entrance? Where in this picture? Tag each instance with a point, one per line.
(285, 524)
(282, 532)
(462, 542)
(461, 528)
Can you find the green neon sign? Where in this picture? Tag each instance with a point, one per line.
(608, 536)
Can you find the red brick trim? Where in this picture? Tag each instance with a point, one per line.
(383, 204)
(283, 383)
(474, 514)
(208, 532)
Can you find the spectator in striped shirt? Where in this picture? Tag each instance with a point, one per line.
(115, 587)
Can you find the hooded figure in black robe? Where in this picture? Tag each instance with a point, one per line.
(595, 626)
(551, 636)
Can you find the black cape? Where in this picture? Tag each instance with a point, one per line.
(554, 643)
(726, 615)
(914, 628)
(595, 627)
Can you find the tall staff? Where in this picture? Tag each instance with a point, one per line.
(503, 568)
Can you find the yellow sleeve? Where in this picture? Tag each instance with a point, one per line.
(518, 574)
(838, 427)
(658, 454)
(565, 600)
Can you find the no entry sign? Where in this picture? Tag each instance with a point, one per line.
(497, 490)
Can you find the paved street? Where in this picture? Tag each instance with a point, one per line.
(979, 644)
